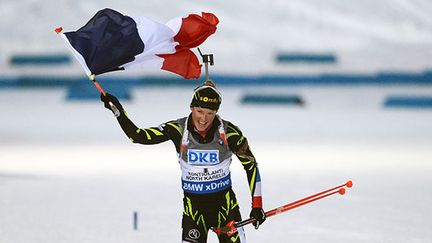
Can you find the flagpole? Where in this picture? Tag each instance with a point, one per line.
(114, 109)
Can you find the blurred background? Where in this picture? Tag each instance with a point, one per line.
(325, 91)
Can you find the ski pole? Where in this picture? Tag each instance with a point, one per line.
(91, 76)
(310, 199)
(232, 226)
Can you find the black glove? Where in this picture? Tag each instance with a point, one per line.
(259, 215)
(107, 98)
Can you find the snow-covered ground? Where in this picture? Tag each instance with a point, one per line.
(68, 173)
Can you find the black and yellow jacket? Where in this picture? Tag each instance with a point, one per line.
(172, 130)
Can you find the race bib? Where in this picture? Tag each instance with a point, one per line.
(202, 157)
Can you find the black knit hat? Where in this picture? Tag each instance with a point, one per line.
(206, 96)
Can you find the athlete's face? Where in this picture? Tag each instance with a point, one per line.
(202, 117)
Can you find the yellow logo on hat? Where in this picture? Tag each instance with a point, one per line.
(207, 99)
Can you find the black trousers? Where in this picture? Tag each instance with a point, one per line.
(204, 211)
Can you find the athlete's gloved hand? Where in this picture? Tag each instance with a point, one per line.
(259, 215)
(107, 98)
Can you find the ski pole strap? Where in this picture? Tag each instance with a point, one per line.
(257, 202)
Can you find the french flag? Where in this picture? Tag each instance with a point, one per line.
(111, 41)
